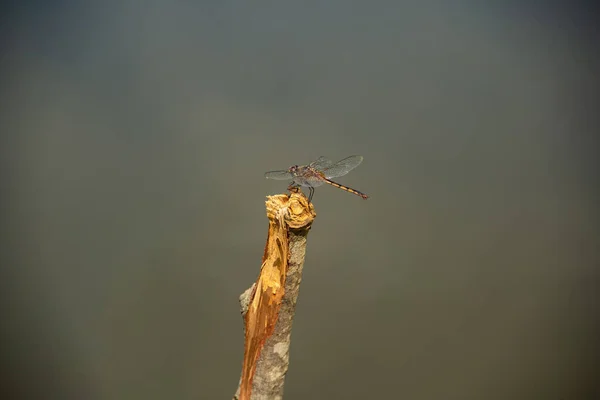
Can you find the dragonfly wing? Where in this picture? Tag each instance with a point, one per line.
(321, 163)
(342, 167)
(311, 181)
(282, 175)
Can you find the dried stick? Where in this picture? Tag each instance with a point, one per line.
(268, 306)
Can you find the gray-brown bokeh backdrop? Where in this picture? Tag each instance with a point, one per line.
(135, 138)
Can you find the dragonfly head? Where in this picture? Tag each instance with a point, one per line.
(294, 169)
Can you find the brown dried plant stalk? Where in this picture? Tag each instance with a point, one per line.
(268, 306)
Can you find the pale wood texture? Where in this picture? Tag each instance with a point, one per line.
(268, 306)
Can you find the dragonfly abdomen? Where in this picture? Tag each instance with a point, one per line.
(346, 188)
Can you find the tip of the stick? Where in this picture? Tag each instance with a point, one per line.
(295, 209)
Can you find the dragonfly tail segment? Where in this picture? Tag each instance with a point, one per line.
(346, 188)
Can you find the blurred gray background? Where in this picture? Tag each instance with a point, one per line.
(135, 135)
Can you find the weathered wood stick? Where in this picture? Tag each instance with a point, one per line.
(268, 306)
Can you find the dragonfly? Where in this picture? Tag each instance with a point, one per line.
(318, 172)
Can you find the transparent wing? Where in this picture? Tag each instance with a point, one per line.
(342, 167)
(282, 175)
(321, 163)
(310, 181)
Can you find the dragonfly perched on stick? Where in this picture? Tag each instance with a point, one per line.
(317, 173)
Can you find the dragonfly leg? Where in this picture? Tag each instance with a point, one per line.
(311, 192)
(294, 187)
